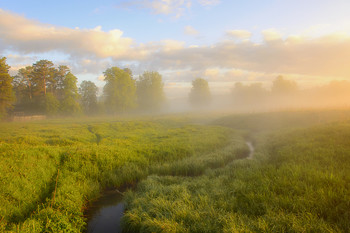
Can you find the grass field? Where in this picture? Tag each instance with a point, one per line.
(299, 181)
(190, 177)
(84, 158)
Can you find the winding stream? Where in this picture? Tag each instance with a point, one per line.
(251, 149)
(105, 214)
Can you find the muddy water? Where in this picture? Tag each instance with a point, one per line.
(106, 213)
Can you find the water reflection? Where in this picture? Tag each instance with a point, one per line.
(106, 213)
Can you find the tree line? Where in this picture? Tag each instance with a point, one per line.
(44, 88)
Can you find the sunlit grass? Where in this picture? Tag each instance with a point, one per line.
(191, 178)
(84, 157)
(298, 181)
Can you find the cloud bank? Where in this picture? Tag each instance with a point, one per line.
(94, 49)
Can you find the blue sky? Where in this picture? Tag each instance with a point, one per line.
(291, 16)
(222, 41)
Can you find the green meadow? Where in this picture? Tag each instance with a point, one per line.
(84, 158)
(191, 173)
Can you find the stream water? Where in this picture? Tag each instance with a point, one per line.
(105, 214)
(251, 149)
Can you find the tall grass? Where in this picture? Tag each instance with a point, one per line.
(298, 181)
(84, 157)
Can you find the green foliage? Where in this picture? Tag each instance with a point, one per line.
(119, 90)
(149, 90)
(23, 85)
(52, 105)
(200, 93)
(42, 88)
(70, 104)
(6, 94)
(42, 78)
(88, 92)
(59, 76)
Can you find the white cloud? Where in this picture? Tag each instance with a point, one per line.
(164, 7)
(324, 56)
(209, 2)
(28, 36)
(101, 77)
(271, 35)
(239, 34)
(176, 8)
(212, 72)
(189, 30)
(94, 50)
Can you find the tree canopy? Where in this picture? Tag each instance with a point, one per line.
(88, 92)
(200, 93)
(6, 94)
(119, 90)
(70, 101)
(149, 90)
(283, 86)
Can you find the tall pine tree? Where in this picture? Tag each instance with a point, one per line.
(6, 92)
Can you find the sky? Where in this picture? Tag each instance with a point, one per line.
(221, 41)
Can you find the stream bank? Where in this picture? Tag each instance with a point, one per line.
(105, 214)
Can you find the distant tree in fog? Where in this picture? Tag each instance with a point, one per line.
(88, 92)
(6, 94)
(149, 91)
(119, 90)
(200, 93)
(248, 95)
(283, 86)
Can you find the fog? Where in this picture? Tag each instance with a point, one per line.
(45, 90)
(283, 95)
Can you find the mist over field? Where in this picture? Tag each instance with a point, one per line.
(241, 58)
(174, 116)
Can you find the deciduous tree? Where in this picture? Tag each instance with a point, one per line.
(283, 86)
(59, 76)
(119, 90)
(88, 92)
(52, 105)
(200, 93)
(70, 103)
(149, 89)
